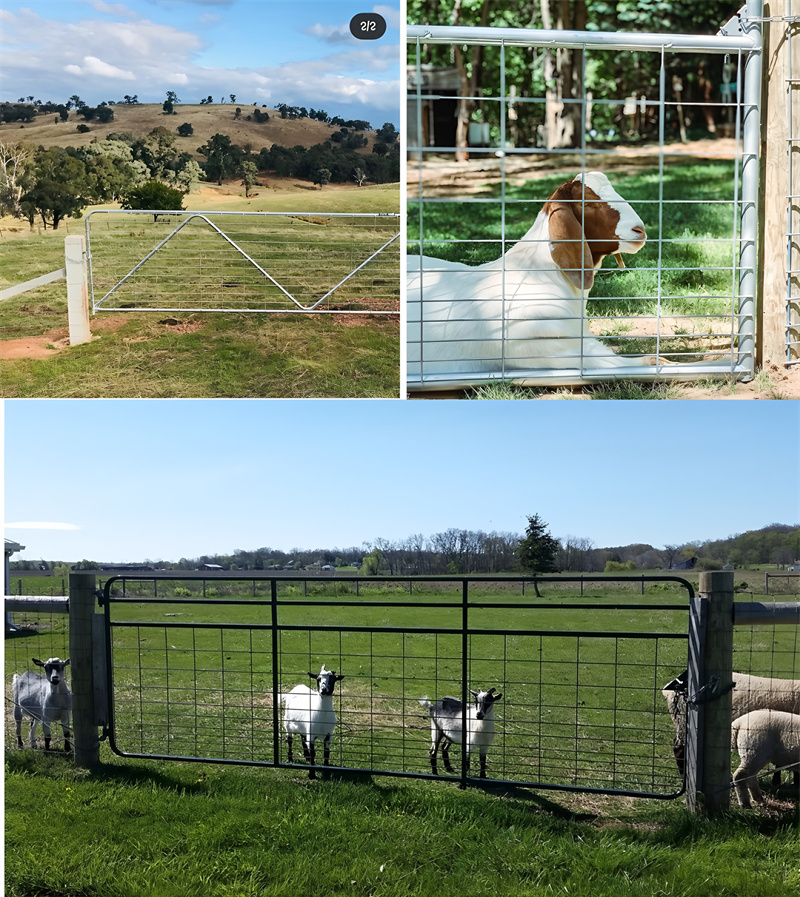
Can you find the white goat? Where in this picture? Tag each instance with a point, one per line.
(46, 699)
(447, 720)
(309, 713)
(527, 308)
(749, 693)
(761, 737)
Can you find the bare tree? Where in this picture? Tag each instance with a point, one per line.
(563, 75)
(13, 167)
(470, 82)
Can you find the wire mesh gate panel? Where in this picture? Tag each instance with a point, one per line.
(243, 262)
(195, 678)
(684, 308)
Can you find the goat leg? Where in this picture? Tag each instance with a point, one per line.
(326, 751)
(67, 745)
(446, 757)
(432, 755)
(483, 766)
(310, 752)
(289, 743)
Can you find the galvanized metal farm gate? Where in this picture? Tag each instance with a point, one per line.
(197, 678)
(696, 315)
(243, 262)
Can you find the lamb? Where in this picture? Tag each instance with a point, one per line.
(447, 717)
(761, 737)
(527, 309)
(310, 715)
(749, 693)
(46, 699)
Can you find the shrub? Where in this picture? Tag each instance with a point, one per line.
(619, 567)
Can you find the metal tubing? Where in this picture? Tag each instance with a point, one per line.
(754, 613)
(36, 603)
(600, 40)
(751, 144)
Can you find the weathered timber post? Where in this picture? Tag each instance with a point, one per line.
(714, 760)
(81, 660)
(77, 290)
(780, 187)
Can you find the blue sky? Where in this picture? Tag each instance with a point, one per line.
(125, 480)
(298, 52)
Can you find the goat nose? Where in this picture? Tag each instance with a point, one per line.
(639, 229)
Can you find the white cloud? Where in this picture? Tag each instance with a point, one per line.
(42, 524)
(97, 68)
(390, 13)
(330, 34)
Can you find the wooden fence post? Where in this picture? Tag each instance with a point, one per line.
(77, 290)
(779, 215)
(714, 760)
(81, 653)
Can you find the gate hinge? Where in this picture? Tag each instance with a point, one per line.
(101, 597)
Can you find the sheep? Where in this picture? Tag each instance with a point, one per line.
(529, 306)
(46, 699)
(310, 715)
(761, 737)
(447, 718)
(749, 693)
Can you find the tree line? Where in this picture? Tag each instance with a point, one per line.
(460, 551)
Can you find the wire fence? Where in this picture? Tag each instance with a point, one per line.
(684, 304)
(244, 262)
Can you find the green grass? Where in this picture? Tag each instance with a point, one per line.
(170, 830)
(181, 354)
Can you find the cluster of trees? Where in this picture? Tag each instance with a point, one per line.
(457, 551)
(559, 75)
(60, 182)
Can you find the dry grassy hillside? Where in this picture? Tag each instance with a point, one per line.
(206, 120)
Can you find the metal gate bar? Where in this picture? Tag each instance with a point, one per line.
(427, 373)
(180, 696)
(346, 261)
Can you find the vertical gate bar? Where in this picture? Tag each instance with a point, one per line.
(790, 147)
(737, 205)
(584, 307)
(275, 693)
(662, 96)
(419, 215)
(464, 678)
(504, 113)
(751, 141)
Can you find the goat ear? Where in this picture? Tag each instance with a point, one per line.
(339, 677)
(497, 697)
(37, 662)
(473, 693)
(66, 662)
(568, 247)
(313, 675)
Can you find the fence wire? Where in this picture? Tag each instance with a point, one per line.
(244, 262)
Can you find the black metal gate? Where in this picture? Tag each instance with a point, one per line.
(196, 662)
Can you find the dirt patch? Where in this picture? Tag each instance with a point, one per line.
(36, 347)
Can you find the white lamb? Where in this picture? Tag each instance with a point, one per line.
(749, 693)
(46, 699)
(309, 713)
(761, 737)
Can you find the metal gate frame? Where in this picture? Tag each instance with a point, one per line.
(747, 43)
(274, 628)
(188, 216)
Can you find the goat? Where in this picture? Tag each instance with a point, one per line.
(761, 737)
(447, 718)
(46, 699)
(309, 713)
(749, 693)
(531, 302)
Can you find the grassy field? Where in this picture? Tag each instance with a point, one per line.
(184, 354)
(205, 688)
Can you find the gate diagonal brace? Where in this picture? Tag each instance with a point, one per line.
(254, 263)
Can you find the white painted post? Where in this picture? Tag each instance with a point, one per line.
(77, 290)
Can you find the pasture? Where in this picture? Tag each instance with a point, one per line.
(205, 690)
(185, 354)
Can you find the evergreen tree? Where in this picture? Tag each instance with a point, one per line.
(536, 552)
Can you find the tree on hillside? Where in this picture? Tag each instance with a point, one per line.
(15, 170)
(322, 177)
(152, 196)
(59, 190)
(249, 174)
(172, 97)
(359, 176)
(168, 108)
(185, 130)
(536, 552)
(219, 157)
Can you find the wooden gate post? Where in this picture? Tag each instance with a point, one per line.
(77, 290)
(714, 760)
(81, 660)
(778, 214)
